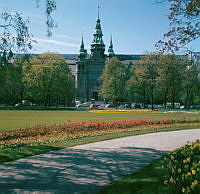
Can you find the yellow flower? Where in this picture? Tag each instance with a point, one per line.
(194, 183)
(165, 182)
(193, 172)
(172, 157)
(183, 189)
(189, 173)
(188, 159)
(171, 180)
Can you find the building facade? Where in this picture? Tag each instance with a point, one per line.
(90, 67)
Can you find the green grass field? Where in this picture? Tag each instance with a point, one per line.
(147, 180)
(14, 119)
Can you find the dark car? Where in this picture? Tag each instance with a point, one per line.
(94, 106)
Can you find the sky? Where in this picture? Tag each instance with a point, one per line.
(135, 25)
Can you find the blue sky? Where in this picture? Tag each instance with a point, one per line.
(135, 25)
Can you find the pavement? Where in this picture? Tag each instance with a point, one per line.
(87, 168)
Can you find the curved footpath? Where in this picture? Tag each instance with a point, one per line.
(87, 168)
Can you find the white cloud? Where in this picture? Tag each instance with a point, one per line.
(66, 36)
(55, 42)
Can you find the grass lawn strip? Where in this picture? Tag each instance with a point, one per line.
(28, 146)
(148, 180)
(151, 179)
(16, 119)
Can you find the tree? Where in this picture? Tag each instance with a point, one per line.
(12, 85)
(171, 77)
(63, 87)
(136, 86)
(184, 16)
(190, 83)
(50, 8)
(15, 36)
(48, 77)
(146, 75)
(113, 80)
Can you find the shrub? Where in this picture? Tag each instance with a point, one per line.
(182, 167)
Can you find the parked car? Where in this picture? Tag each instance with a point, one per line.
(83, 105)
(109, 106)
(24, 103)
(124, 106)
(94, 106)
(137, 105)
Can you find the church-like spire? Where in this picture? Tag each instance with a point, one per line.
(97, 46)
(83, 51)
(82, 45)
(98, 11)
(110, 49)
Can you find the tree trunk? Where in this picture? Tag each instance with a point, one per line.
(152, 95)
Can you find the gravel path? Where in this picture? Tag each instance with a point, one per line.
(87, 168)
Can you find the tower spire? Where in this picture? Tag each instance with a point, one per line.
(97, 46)
(83, 51)
(110, 49)
(98, 10)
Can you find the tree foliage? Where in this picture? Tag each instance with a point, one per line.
(171, 75)
(50, 8)
(15, 36)
(113, 80)
(184, 17)
(48, 77)
(146, 75)
(11, 81)
(158, 79)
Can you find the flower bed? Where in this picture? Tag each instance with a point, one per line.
(74, 127)
(122, 111)
(183, 168)
(58, 133)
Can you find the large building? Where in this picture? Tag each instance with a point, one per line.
(89, 67)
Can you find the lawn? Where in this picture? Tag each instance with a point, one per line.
(160, 175)
(13, 147)
(15, 119)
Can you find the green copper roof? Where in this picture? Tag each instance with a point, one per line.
(83, 51)
(98, 46)
(110, 49)
(82, 46)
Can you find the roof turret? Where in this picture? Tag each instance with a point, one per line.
(110, 49)
(83, 51)
(98, 46)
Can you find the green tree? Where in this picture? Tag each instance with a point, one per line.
(147, 74)
(171, 77)
(190, 83)
(113, 80)
(136, 86)
(12, 85)
(48, 78)
(63, 87)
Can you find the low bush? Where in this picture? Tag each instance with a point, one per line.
(182, 167)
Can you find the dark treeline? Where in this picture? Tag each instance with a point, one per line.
(44, 80)
(155, 79)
